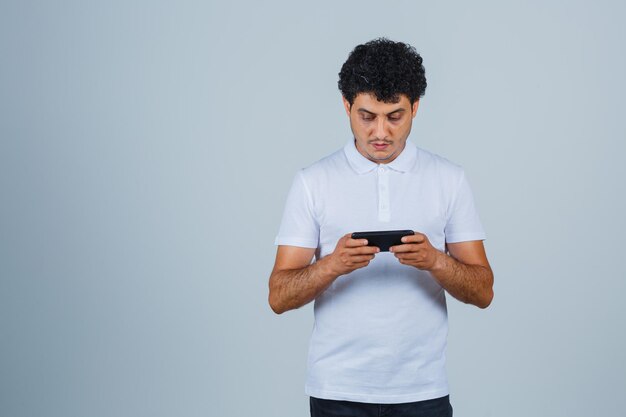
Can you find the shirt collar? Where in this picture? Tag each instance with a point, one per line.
(403, 162)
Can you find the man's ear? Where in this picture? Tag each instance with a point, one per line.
(416, 104)
(346, 105)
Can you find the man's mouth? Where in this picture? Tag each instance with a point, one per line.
(380, 146)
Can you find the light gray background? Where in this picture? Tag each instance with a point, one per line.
(147, 148)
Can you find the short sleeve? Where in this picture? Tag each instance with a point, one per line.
(463, 223)
(298, 227)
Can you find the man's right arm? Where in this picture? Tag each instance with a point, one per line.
(295, 282)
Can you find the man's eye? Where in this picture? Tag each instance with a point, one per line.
(395, 118)
(368, 118)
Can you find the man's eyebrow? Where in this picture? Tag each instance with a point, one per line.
(400, 110)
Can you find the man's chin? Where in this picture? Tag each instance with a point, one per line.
(381, 158)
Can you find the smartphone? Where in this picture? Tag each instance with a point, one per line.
(384, 239)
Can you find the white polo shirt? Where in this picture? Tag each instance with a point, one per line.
(380, 331)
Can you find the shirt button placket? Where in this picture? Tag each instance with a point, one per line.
(384, 213)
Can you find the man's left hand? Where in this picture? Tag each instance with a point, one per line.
(417, 251)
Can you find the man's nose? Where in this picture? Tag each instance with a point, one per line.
(381, 129)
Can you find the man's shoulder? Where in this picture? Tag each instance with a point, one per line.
(436, 163)
(329, 164)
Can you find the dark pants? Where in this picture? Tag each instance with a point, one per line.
(438, 407)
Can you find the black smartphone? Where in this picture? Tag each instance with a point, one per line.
(384, 239)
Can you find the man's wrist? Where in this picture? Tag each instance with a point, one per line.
(326, 270)
(441, 260)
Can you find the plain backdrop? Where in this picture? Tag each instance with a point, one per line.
(147, 147)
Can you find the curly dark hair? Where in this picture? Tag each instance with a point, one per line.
(384, 68)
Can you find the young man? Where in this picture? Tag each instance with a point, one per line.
(378, 345)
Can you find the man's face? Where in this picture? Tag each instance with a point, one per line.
(380, 129)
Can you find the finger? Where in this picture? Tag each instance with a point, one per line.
(362, 250)
(361, 258)
(361, 264)
(345, 237)
(415, 238)
(408, 259)
(404, 248)
(409, 256)
(355, 243)
(408, 262)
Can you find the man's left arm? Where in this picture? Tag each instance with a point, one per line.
(464, 273)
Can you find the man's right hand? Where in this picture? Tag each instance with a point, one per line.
(350, 254)
(295, 281)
